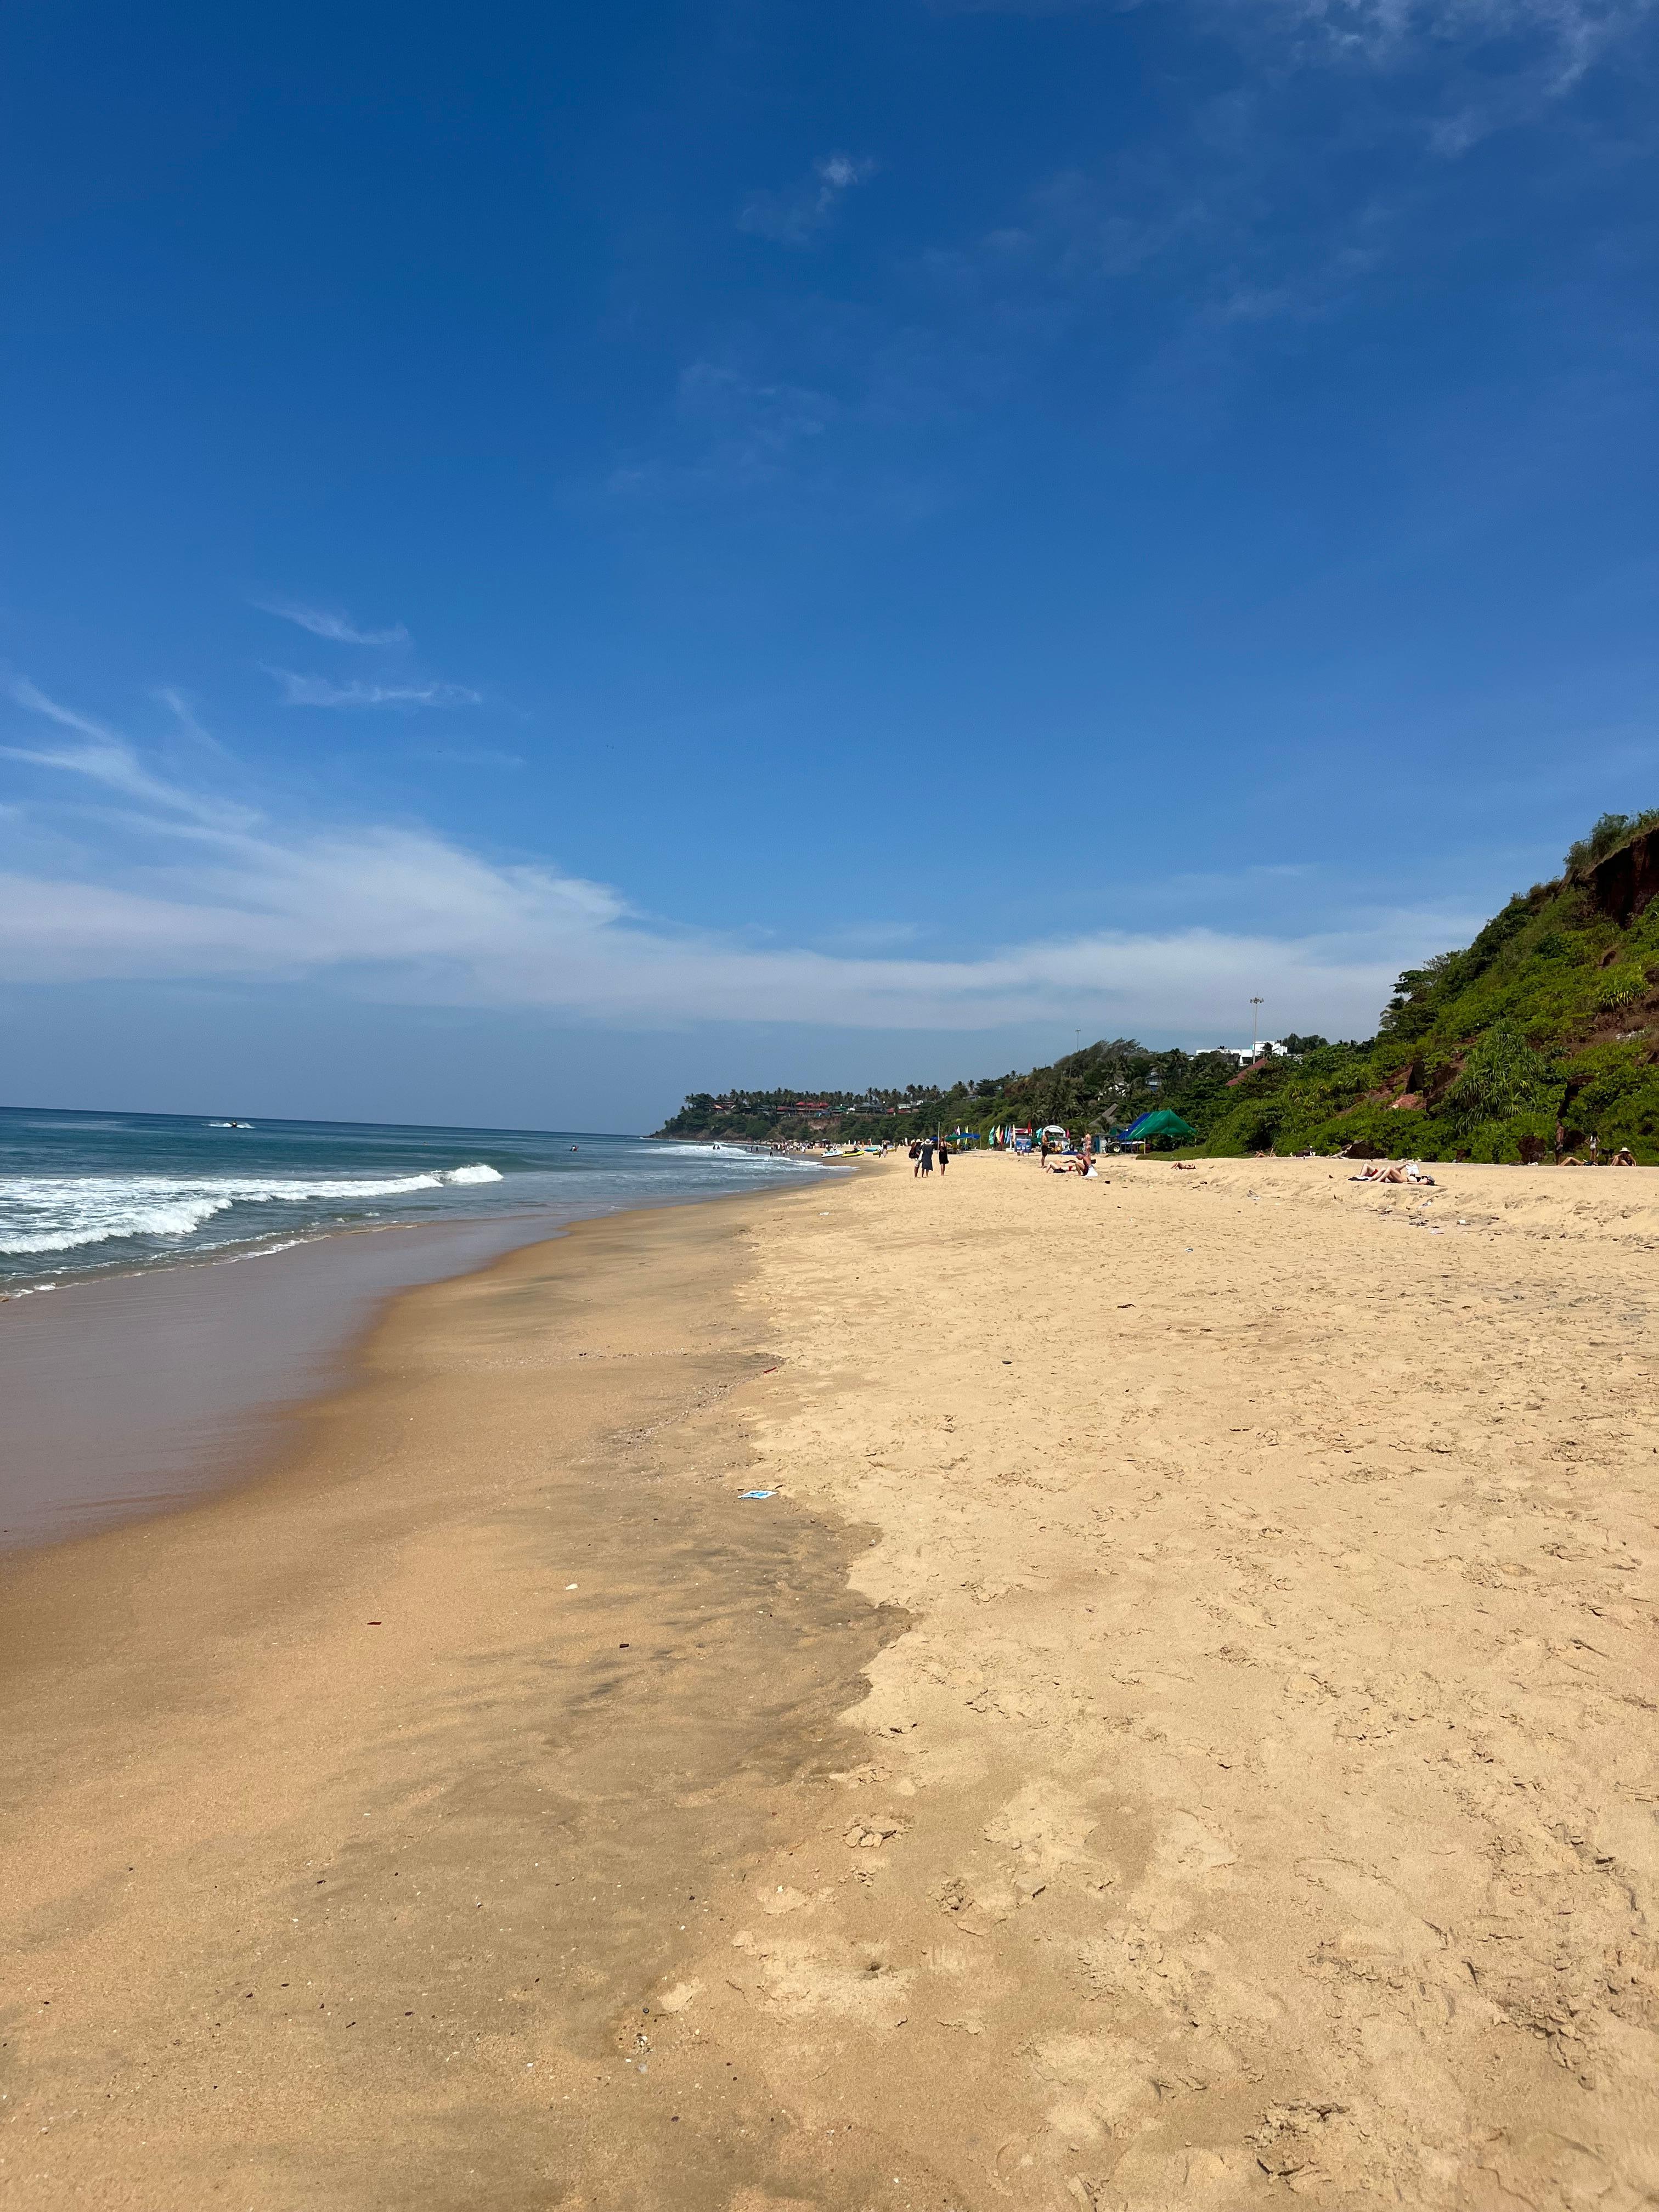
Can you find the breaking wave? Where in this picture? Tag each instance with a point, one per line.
(60, 1213)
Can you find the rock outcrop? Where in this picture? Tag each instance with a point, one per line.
(1622, 885)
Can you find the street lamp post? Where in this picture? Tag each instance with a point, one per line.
(1255, 1028)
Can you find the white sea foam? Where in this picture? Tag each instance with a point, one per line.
(260, 1251)
(59, 1213)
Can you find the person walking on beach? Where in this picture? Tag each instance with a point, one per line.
(925, 1165)
(915, 1156)
(944, 1156)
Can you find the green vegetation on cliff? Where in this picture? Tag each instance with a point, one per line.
(1549, 1019)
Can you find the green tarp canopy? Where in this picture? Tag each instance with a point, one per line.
(1164, 1123)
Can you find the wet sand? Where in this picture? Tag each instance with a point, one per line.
(125, 1393)
(1184, 1735)
(349, 1849)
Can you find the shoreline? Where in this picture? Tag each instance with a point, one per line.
(294, 1738)
(129, 1393)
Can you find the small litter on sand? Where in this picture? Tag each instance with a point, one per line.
(760, 1493)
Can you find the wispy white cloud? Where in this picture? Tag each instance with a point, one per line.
(405, 690)
(1247, 219)
(320, 691)
(185, 716)
(35, 701)
(1480, 66)
(1540, 46)
(794, 218)
(1380, 29)
(1458, 70)
(407, 912)
(107, 759)
(322, 622)
(1259, 212)
(747, 430)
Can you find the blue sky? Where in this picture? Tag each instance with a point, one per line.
(557, 556)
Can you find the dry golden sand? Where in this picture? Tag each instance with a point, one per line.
(1230, 1773)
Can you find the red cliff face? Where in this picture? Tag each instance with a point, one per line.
(1621, 885)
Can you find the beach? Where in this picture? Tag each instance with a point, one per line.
(1179, 1730)
(171, 1289)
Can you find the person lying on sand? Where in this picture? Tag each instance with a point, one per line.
(1395, 1171)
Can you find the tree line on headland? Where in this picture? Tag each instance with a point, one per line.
(1537, 1038)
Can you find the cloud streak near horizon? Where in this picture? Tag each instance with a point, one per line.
(203, 889)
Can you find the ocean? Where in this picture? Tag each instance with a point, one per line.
(163, 1365)
(89, 1195)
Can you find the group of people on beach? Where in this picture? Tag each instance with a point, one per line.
(923, 1151)
(1594, 1156)
(1057, 1161)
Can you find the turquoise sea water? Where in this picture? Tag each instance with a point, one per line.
(87, 1194)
